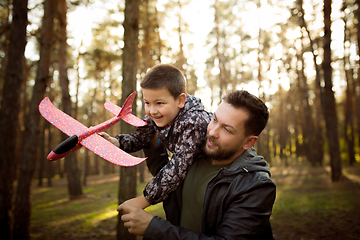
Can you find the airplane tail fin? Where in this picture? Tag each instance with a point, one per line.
(127, 106)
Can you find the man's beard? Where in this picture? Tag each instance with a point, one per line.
(219, 154)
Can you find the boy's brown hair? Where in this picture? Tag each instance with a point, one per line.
(165, 76)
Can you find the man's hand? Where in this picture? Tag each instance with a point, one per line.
(109, 138)
(135, 219)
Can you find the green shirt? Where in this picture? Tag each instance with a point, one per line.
(195, 183)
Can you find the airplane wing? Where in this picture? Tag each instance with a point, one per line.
(59, 119)
(109, 151)
(129, 118)
(94, 142)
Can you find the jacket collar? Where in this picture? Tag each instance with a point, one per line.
(249, 161)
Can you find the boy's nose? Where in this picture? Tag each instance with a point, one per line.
(153, 111)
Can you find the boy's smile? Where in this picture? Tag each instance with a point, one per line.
(161, 106)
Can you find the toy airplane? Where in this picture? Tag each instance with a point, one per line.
(88, 137)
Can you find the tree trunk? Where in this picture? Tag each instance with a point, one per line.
(71, 166)
(42, 155)
(9, 112)
(349, 107)
(30, 152)
(304, 104)
(329, 106)
(127, 186)
(318, 142)
(49, 172)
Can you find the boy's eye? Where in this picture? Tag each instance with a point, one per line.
(160, 103)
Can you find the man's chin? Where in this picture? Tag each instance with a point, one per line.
(218, 155)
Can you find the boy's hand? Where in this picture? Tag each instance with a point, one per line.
(138, 202)
(109, 138)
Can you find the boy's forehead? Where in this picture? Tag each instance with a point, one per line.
(158, 93)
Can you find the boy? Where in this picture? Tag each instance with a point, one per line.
(180, 122)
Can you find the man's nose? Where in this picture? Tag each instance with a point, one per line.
(213, 132)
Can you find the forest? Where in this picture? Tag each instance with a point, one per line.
(300, 57)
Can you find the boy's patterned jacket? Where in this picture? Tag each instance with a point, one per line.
(185, 139)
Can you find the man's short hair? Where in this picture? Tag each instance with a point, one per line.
(255, 107)
(165, 76)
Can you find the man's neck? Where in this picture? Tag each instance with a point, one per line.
(224, 161)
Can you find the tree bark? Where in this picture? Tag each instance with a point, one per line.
(304, 104)
(318, 138)
(30, 152)
(329, 106)
(127, 186)
(349, 103)
(71, 166)
(9, 112)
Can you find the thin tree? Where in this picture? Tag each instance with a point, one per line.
(127, 186)
(9, 112)
(349, 131)
(30, 153)
(71, 166)
(318, 142)
(308, 128)
(329, 105)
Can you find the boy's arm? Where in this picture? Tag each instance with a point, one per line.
(189, 143)
(156, 155)
(138, 202)
(139, 139)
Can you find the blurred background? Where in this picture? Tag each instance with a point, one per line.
(300, 57)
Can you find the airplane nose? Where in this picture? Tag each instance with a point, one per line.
(51, 156)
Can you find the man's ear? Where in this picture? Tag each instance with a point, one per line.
(250, 142)
(182, 98)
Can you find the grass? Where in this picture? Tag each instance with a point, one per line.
(308, 206)
(94, 216)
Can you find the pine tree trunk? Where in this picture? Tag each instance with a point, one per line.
(329, 106)
(30, 151)
(71, 165)
(127, 186)
(9, 112)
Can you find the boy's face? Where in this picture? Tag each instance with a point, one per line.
(161, 106)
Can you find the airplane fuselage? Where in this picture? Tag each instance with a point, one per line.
(72, 143)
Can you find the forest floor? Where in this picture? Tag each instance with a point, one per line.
(307, 207)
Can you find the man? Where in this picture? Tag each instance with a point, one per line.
(226, 195)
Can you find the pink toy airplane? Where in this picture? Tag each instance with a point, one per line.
(88, 137)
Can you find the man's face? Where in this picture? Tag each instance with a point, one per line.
(226, 138)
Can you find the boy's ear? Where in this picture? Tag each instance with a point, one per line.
(182, 98)
(250, 142)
